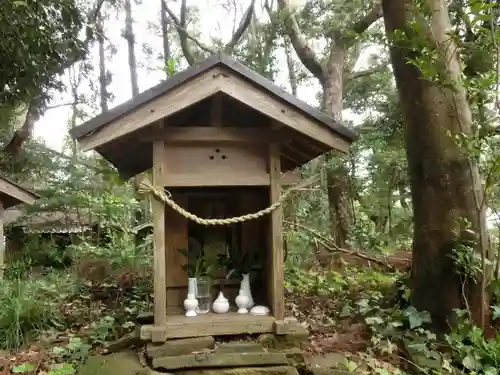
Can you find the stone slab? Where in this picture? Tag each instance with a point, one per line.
(122, 363)
(124, 342)
(239, 347)
(290, 326)
(158, 334)
(271, 341)
(274, 370)
(209, 360)
(328, 364)
(180, 346)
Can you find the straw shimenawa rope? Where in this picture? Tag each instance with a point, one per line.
(146, 187)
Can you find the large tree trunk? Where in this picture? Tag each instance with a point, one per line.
(34, 110)
(337, 171)
(444, 182)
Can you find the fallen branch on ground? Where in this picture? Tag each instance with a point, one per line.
(332, 246)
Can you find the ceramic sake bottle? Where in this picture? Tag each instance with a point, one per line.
(242, 302)
(191, 303)
(221, 304)
(245, 286)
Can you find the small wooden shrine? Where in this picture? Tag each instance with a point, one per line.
(11, 194)
(219, 139)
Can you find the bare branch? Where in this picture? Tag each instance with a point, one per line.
(361, 25)
(243, 26)
(304, 52)
(358, 27)
(94, 13)
(63, 105)
(184, 35)
(366, 72)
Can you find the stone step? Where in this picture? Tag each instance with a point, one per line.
(208, 360)
(180, 347)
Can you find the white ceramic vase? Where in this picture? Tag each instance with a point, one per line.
(242, 302)
(221, 304)
(245, 287)
(191, 303)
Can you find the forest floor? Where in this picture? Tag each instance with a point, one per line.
(359, 312)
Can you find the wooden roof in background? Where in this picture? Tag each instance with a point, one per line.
(11, 193)
(113, 133)
(74, 221)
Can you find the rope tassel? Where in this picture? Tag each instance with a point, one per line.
(146, 187)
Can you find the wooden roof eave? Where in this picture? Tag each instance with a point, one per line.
(219, 74)
(14, 194)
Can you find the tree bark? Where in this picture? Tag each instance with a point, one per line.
(35, 108)
(444, 182)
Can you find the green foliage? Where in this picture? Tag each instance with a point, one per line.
(75, 351)
(29, 307)
(476, 354)
(40, 39)
(238, 263)
(194, 258)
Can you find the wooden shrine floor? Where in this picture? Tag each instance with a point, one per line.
(211, 324)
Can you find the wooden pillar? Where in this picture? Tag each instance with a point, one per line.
(158, 208)
(2, 243)
(277, 291)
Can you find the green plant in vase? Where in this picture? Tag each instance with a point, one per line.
(238, 263)
(242, 265)
(194, 258)
(202, 264)
(193, 268)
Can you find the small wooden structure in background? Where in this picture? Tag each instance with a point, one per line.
(11, 194)
(219, 137)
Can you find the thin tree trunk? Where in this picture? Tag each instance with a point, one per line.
(75, 80)
(292, 74)
(444, 182)
(164, 33)
(130, 37)
(103, 82)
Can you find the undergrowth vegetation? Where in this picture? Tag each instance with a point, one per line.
(361, 311)
(52, 319)
(366, 313)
